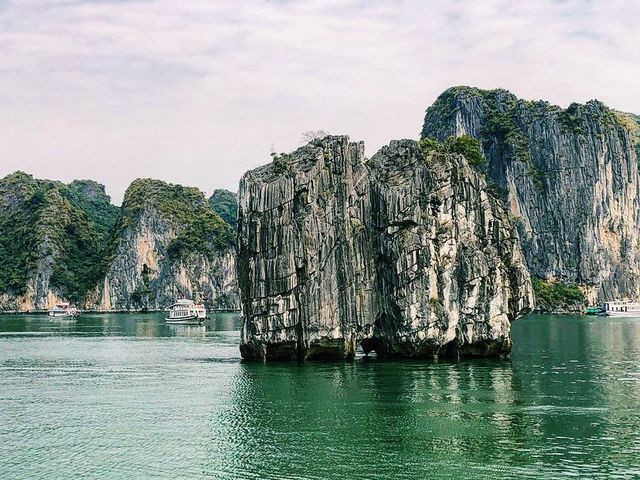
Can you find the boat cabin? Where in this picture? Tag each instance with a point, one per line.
(622, 307)
(185, 309)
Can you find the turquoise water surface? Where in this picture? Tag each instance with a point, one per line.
(125, 396)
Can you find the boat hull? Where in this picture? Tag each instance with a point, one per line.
(192, 320)
(623, 314)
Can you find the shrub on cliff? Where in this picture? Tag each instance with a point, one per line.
(465, 145)
(206, 234)
(225, 204)
(557, 296)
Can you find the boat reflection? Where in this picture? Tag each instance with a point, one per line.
(187, 330)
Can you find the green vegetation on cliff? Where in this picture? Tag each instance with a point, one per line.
(41, 228)
(20, 201)
(225, 204)
(465, 145)
(207, 234)
(90, 196)
(201, 230)
(63, 238)
(631, 122)
(557, 296)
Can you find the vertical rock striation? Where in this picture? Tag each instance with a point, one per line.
(452, 277)
(406, 255)
(570, 177)
(305, 267)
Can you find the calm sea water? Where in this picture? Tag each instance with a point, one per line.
(124, 396)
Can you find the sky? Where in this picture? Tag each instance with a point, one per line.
(198, 92)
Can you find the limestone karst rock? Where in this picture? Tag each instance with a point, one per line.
(166, 244)
(68, 242)
(305, 264)
(49, 245)
(406, 254)
(451, 274)
(569, 176)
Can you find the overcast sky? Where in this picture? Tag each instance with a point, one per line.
(197, 92)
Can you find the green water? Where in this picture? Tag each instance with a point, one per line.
(124, 396)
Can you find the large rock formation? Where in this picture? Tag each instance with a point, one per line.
(68, 242)
(49, 244)
(167, 243)
(305, 260)
(451, 274)
(570, 177)
(408, 255)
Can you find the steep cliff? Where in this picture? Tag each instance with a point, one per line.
(452, 276)
(569, 176)
(407, 254)
(49, 244)
(305, 263)
(166, 243)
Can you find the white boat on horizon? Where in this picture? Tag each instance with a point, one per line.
(622, 308)
(186, 312)
(63, 309)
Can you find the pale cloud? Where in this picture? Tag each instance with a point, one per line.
(197, 92)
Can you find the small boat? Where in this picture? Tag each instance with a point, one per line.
(622, 308)
(63, 309)
(597, 310)
(186, 312)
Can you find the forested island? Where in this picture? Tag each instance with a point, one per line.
(69, 242)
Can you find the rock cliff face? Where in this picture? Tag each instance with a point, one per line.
(451, 272)
(167, 243)
(69, 243)
(49, 246)
(305, 263)
(406, 254)
(570, 177)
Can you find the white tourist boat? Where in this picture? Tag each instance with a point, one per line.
(63, 309)
(622, 308)
(186, 312)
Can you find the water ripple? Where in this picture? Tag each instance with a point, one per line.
(158, 404)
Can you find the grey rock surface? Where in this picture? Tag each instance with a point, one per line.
(405, 255)
(451, 273)
(305, 268)
(141, 275)
(569, 176)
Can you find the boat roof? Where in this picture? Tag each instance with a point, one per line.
(183, 301)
